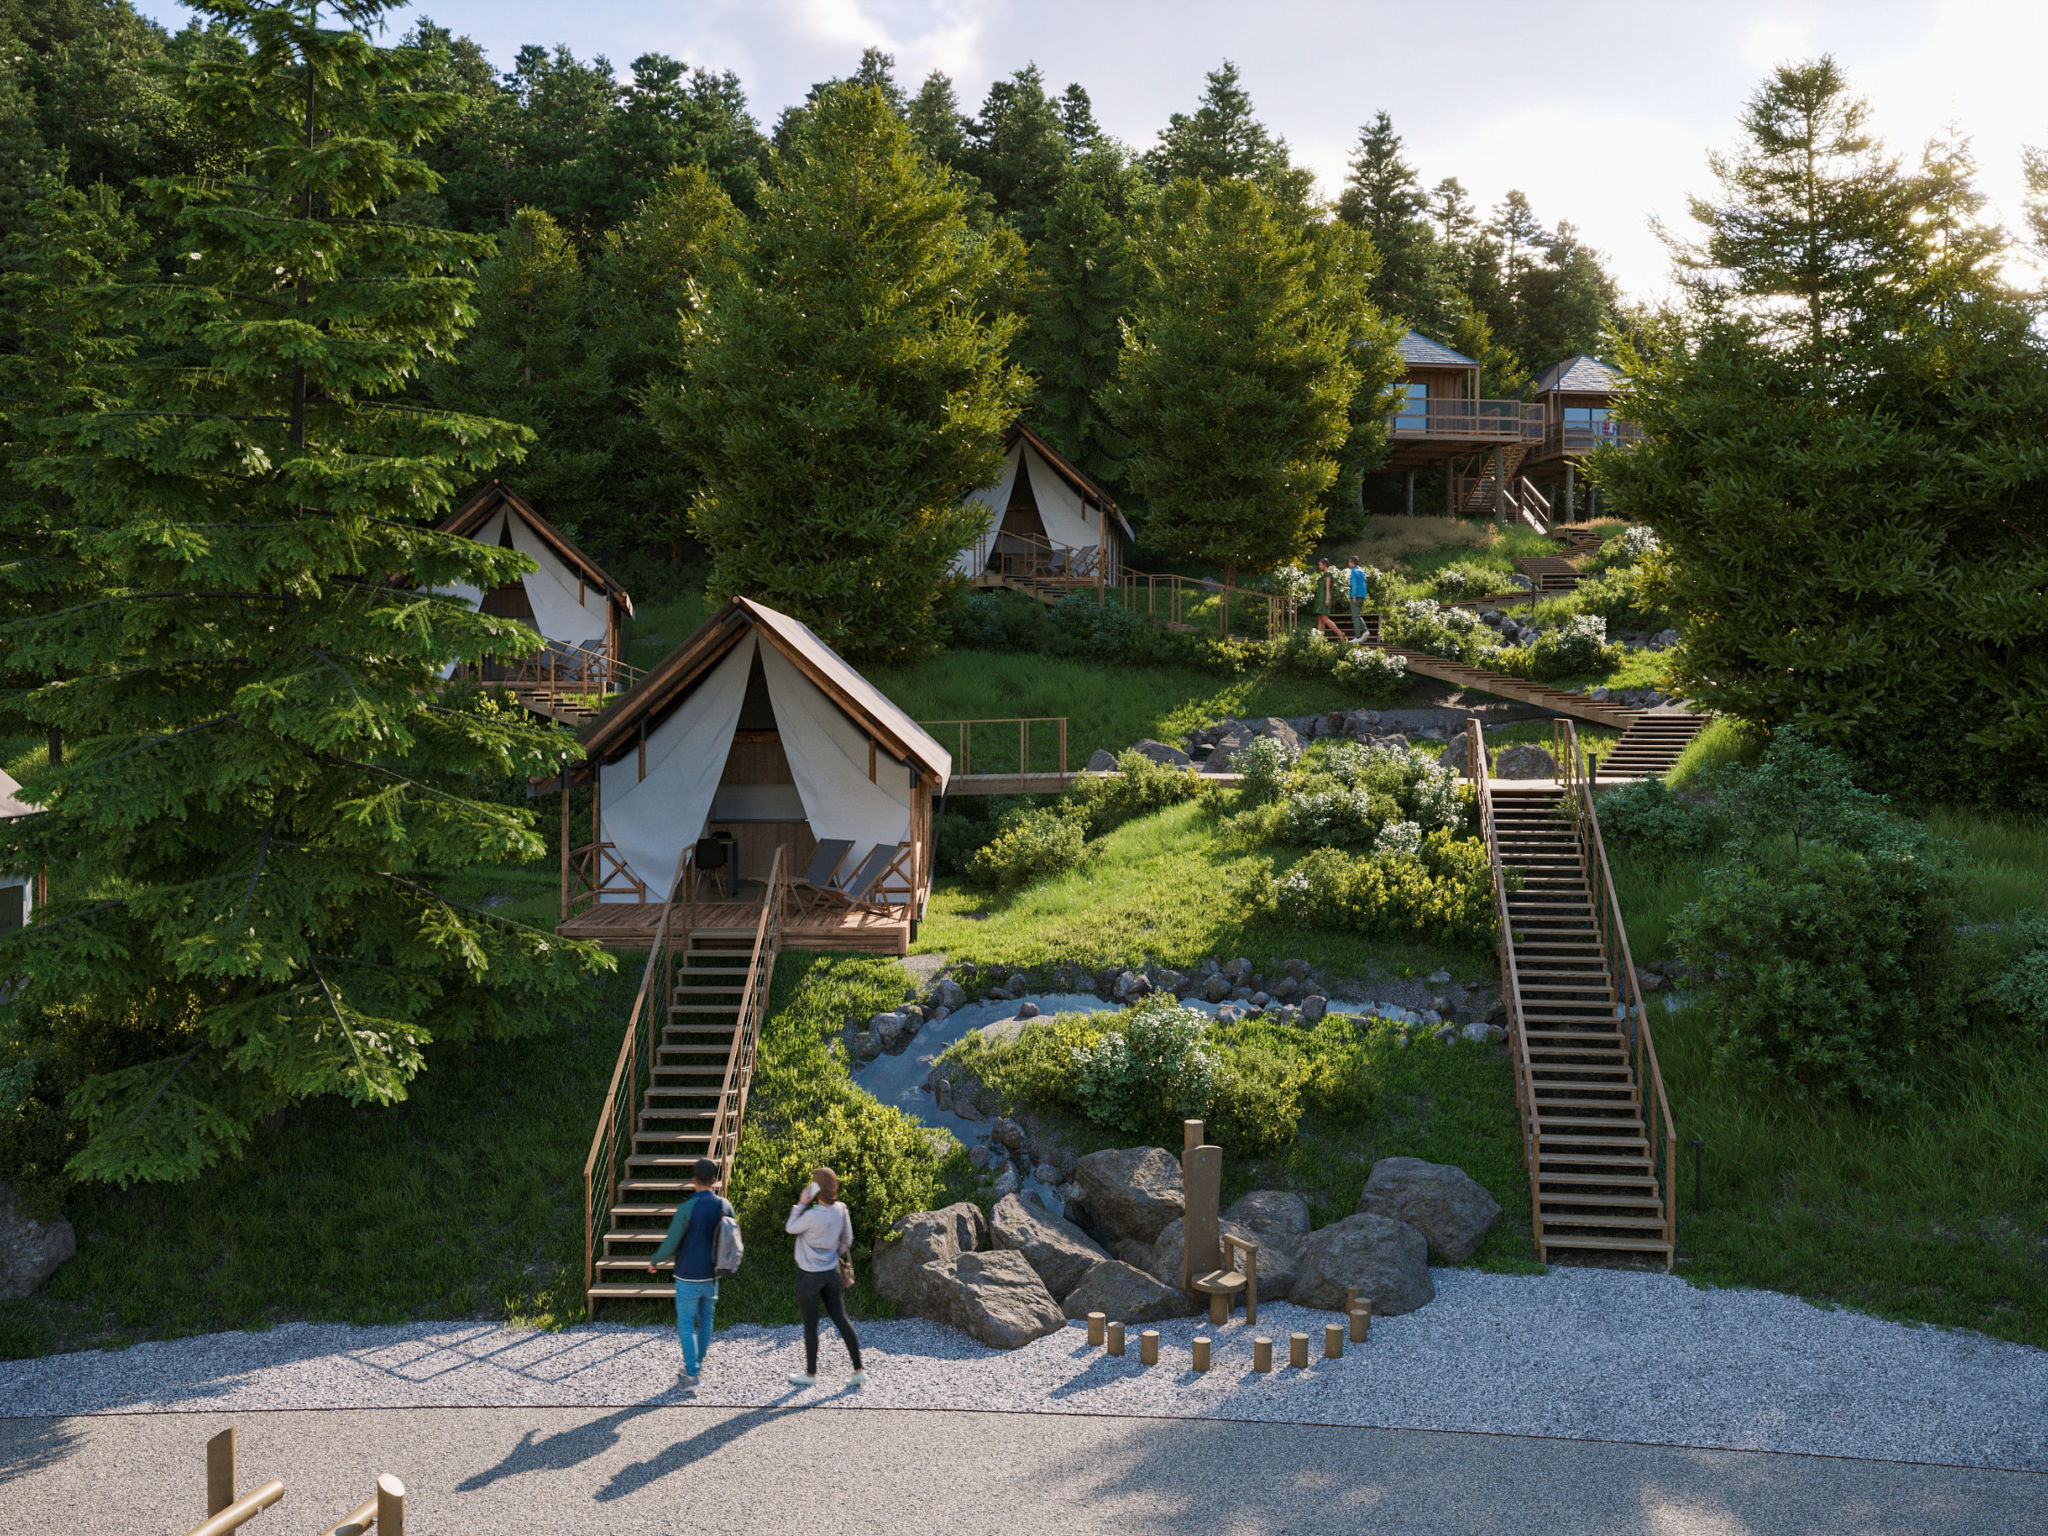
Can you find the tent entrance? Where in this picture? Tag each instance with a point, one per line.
(756, 804)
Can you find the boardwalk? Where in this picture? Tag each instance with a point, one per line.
(630, 925)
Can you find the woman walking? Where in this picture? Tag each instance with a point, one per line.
(824, 1241)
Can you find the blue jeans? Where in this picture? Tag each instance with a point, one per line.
(695, 1301)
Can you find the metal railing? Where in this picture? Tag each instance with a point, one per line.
(1509, 421)
(1510, 984)
(613, 1139)
(384, 1510)
(963, 743)
(1647, 1080)
(731, 1113)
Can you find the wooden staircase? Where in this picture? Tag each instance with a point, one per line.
(1551, 573)
(1597, 1134)
(691, 1063)
(1476, 491)
(1561, 701)
(1577, 541)
(1653, 742)
(575, 710)
(1338, 626)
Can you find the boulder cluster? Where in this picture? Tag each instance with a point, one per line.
(1021, 1272)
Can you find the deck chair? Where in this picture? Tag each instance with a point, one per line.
(809, 888)
(862, 890)
(1222, 1285)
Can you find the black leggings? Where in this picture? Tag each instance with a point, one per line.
(810, 1289)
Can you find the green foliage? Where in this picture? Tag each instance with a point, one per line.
(846, 384)
(1221, 141)
(264, 784)
(1035, 1065)
(1442, 889)
(1032, 846)
(1264, 763)
(1647, 821)
(1257, 1092)
(1139, 786)
(1149, 1071)
(1378, 677)
(2021, 988)
(1577, 646)
(1419, 624)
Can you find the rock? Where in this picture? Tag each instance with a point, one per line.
(978, 1156)
(1160, 752)
(1664, 638)
(1438, 978)
(1447, 1034)
(1285, 988)
(1133, 1191)
(1047, 1175)
(1297, 969)
(1387, 1260)
(1229, 1013)
(1449, 1207)
(1649, 981)
(1017, 984)
(999, 994)
(1215, 989)
(1475, 1032)
(922, 1238)
(1167, 980)
(994, 1297)
(1008, 1133)
(1130, 986)
(1137, 1255)
(1525, 762)
(1103, 761)
(1278, 1215)
(31, 1248)
(890, 1029)
(865, 1046)
(948, 993)
(1125, 1293)
(1060, 1251)
(1234, 970)
(1279, 730)
(1279, 1269)
(1027, 1010)
(1495, 1035)
(1458, 755)
(1258, 1000)
(1007, 1183)
(1313, 1008)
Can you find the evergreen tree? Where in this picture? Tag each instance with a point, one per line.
(1017, 150)
(1384, 198)
(1082, 290)
(1235, 381)
(673, 115)
(1077, 121)
(936, 121)
(1521, 238)
(1222, 140)
(1566, 303)
(264, 785)
(846, 385)
(1450, 206)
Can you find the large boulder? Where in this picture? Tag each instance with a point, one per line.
(1272, 1215)
(1524, 763)
(1445, 1204)
(1060, 1251)
(1160, 752)
(1387, 1260)
(1125, 1294)
(31, 1249)
(1132, 1191)
(922, 1238)
(1457, 755)
(1279, 1269)
(996, 1297)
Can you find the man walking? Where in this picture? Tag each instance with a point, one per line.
(1357, 579)
(693, 1241)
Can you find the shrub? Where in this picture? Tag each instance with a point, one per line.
(1257, 1100)
(1578, 645)
(1378, 678)
(1625, 595)
(1033, 845)
(1264, 763)
(1138, 786)
(1148, 1072)
(1335, 817)
(1624, 549)
(1442, 890)
(1293, 581)
(1036, 1065)
(1422, 625)
(1092, 630)
(1416, 784)
(2022, 987)
(972, 621)
(1647, 821)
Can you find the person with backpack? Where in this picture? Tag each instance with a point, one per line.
(695, 1237)
(824, 1264)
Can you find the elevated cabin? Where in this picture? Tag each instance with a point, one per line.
(1444, 422)
(753, 736)
(1047, 522)
(578, 609)
(1575, 399)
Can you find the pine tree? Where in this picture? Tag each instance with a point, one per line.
(846, 384)
(1223, 140)
(1077, 121)
(1017, 150)
(1566, 303)
(265, 783)
(1384, 197)
(1082, 290)
(1235, 381)
(936, 121)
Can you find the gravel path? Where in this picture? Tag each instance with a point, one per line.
(1578, 1353)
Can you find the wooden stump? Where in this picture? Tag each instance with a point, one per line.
(1114, 1338)
(1097, 1327)
(1333, 1341)
(1201, 1352)
(1148, 1347)
(1297, 1351)
(1262, 1355)
(1361, 1322)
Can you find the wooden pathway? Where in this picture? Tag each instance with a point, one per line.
(1551, 573)
(1653, 742)
(631, 925)
(1563, 701)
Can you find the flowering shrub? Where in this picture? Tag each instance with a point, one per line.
(1460, 581)
(1419, 787)
(1264, 763)
(1336, 817)
(1577, 645)
(1033, 846)
(2022, 987)
(1151, 1070)
(1296, 582)
(1377, 677)
(1422, 625)
(1624, 549)
(1442, 889)
(1402, 838)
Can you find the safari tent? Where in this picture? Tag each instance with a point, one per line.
(1042, 511)
(755, 736)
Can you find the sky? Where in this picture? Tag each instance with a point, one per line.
(1603, 112)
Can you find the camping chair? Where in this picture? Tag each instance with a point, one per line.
(862, 890)
(809, 888)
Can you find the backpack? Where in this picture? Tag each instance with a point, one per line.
(731, 1250)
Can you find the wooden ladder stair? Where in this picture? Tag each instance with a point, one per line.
(1551, 573)
(1577, 541)
(1596, 1186)
(1338, 626)
(571, 709)
(1653, 742)
(1563, 701)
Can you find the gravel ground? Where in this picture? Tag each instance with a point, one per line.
(1578, 1353)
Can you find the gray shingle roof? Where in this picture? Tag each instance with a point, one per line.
(1418, 351)
(1581, 375)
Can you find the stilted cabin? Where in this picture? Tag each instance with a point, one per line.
(1444, 422)
(1046, 521)
(754, 736)
(578, 609)
(1575, 398)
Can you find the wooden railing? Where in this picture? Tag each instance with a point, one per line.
(1510, 984)
(562, 671)
(739, 1063)
(1039, 566)
(594, 871)
(1027, 559)
(1584, 437)
(613, 1139)
(227, 1511)
(1651, 1101)
(963, 742)
(1510, 421)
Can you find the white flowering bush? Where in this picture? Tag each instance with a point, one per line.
(1420, 624)
(1624, 549)
(1150, 1071)
(1264, 763)
(1578, 645)
(1297, 583)
(1377, 677)
(1335, 817)
(1399, 839)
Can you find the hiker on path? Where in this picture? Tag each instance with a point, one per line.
(693, 1241)
(1358, 589)
(824, 1245)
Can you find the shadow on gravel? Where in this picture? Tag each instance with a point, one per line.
(557, 1452)
(629, 1480)
(33, 1445)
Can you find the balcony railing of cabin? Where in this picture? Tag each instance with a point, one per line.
(1508, 421)
(1585, 436)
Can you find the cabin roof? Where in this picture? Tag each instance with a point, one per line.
(1086, 488)
(475, 512)
(611, 733)
(11, 803)
(1581, 375)
(1418, 351)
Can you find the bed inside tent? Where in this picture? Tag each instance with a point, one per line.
(754, 737)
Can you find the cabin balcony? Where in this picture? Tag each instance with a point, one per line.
(1428, 432)
(1570, 439)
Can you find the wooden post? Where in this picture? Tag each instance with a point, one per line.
(1201, 1353)
(565, 836)
(357, 1522)
(1114, 1340)
(1148, 1347)
(390, 1506)
(220, 1471)
(1411, 493)
(1297, 1351)
(1500, 485)
(1361, 1322)
(1098, 1328)
(1568, 509)
(1262, 1356)
(1191, 1135)
(1333, 1341)
(1219, 1309)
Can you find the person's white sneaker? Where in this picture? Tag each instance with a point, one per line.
(857, 1379)
(685, 1379)
(801, 1380)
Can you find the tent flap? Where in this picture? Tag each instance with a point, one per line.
(828, 757)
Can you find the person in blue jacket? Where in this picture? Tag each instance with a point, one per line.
(693, 1241)
(1357, 578)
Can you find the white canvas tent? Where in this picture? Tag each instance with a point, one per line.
(17, 892)
(1041, 495)
(570, 599)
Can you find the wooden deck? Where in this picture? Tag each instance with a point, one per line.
(630, 925)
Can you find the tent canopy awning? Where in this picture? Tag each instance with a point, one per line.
(469, 519)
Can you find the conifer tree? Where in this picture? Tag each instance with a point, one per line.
(1082, 290)
(846, 385)
(1384, 197)
(936, 121)
(1017, 149)
(1223, 139)
(266, 783)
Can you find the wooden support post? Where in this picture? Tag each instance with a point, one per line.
(1262, 1356)
(1191, 1135)
(564, 782)
(1114, 1338)
(1098, 1328)
(1333, 1341)
(220, 1471)
(1361, 1322)
(1500, 485)
(1568, 506)
(1297, 1351)
(390, 1506)
(1148, 1347)
(1411, 493)
(1201, 1353)
(1219, 1309)
(357, 1522)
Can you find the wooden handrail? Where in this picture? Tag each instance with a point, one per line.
(634, 1049)
(963, 738)
(1508, 420)
(1651, 1100)
(730, 1116)
(1511, 984)
(1042, 566)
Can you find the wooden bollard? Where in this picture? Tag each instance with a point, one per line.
(1361, 1322)
(1113, 1337)
(390, 1506)
(1262, 1355)
(1097, 1327)
(1148, 1347)
(1201, 1353)
(1297, 1351)
(220, 1471)
(1333, 1341)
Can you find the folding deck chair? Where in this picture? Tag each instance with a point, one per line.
(862, 889)
(809, 888)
